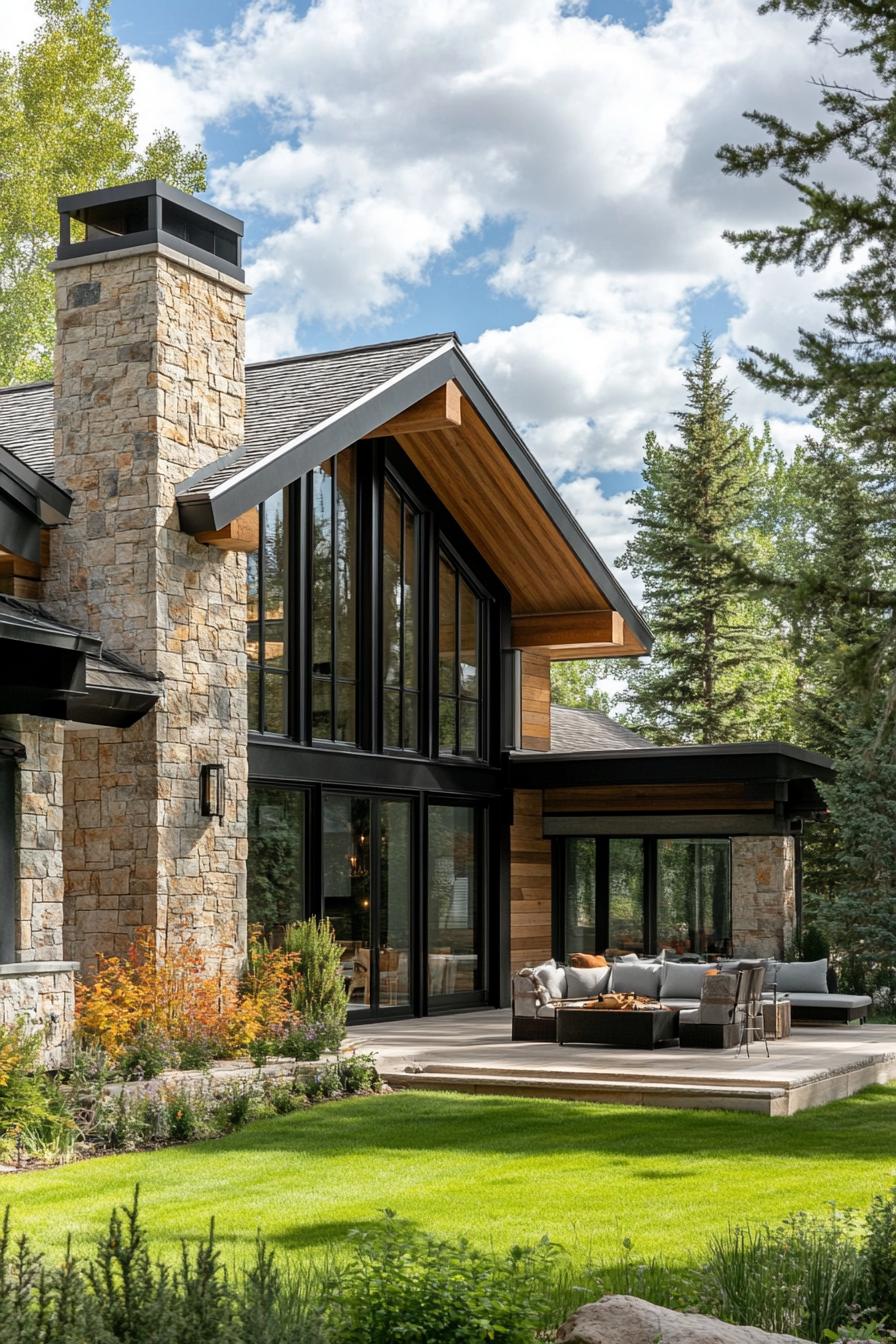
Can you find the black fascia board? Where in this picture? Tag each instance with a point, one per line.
(297, 456)
(87, 200)
(19, 525)
(281, 761)
(308, 450)
(110, 708)
(47, 636)
(742, 761)
(144, 238)
(56, 501)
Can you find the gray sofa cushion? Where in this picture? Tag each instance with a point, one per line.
(583, 982)
(552, 978)
(633, 977)
(803, 977)
(683, 980)
(830, 1000)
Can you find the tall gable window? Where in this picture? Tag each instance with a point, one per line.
(334, 599)
(460, 680)
(401, 658)
(266, 620)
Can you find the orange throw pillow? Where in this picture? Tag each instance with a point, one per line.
(585, 959)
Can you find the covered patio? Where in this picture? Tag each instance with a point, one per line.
(473, 1052)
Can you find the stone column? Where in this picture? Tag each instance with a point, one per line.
(149, 388)
(763, 894)
(38, 986)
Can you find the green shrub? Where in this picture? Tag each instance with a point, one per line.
(35, 1117)
(318, 990)
(400, 1284)
(879, 1256)
(801, 1278)
(814, 946)
(342, 1078)
(148, 1053)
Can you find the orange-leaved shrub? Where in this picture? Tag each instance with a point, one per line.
(175, 998)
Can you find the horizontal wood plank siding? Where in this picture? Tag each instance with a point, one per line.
(536, 702)
(530, 882)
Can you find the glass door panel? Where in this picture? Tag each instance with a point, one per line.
(275, 869)
(394, 903)
(693, 904)
(455, 902)
(347, 889)
(581, 896)
(367, 887)
(626, 895)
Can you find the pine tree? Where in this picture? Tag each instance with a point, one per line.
(709, 670)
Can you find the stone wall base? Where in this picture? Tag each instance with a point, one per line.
(42, 993)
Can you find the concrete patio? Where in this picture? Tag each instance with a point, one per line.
(473, 1052)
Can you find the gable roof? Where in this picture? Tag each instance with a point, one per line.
(590, 730)
(302, 411)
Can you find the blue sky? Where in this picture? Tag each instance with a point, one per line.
(536, 175)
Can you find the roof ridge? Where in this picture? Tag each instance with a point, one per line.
(353, 350)
(27, 387)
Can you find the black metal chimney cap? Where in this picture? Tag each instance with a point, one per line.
(139, 213)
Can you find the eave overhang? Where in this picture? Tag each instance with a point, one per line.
(773, 762)
(207, 509)
(28, 503)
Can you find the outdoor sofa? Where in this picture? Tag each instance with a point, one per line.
(539, 990)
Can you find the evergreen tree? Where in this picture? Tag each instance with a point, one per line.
(67, 124)
(575, 684)
(840, 591)
(708, 678)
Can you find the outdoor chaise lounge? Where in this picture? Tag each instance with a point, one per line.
(538, 991)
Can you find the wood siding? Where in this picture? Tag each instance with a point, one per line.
(530, 882)
(535, 692)
(733, 797)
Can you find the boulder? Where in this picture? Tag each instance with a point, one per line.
(630, 1320)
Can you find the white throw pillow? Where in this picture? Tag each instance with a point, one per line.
(583, 982)
(552, 978)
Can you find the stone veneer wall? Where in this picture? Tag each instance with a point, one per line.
(38, 829)
(149, 387)
(763, 894)
(39, 985)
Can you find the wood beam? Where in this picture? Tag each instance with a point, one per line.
(440, 410)
(240, 535)
(601, 630)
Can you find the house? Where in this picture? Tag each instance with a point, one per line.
(276, 640)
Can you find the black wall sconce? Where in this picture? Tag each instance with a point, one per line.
(211, 791)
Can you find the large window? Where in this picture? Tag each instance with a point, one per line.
(637, 894)
(275, 870)
(401, 658)
(334, 599)
(460, 680)
(693, 906)
(266, 623)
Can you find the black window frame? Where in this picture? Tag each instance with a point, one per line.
(461, 576)
(361, 577)
(601, 886)
(260, 668)
(420, 696)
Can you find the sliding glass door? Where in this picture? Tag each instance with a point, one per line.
(367, 863)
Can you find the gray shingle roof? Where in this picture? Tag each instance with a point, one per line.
(284, 398)
(590, 730)
(26, 424)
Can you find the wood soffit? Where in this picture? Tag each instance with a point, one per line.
(557, 606)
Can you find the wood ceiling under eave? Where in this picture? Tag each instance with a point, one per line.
(480, 486)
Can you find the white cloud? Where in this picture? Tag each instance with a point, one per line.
(20, 23)
(398, 129)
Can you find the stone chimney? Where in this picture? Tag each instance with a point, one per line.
(150, 386)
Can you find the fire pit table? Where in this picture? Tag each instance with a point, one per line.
(637, 1029)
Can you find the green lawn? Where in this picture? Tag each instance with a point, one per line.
(498, 1169)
